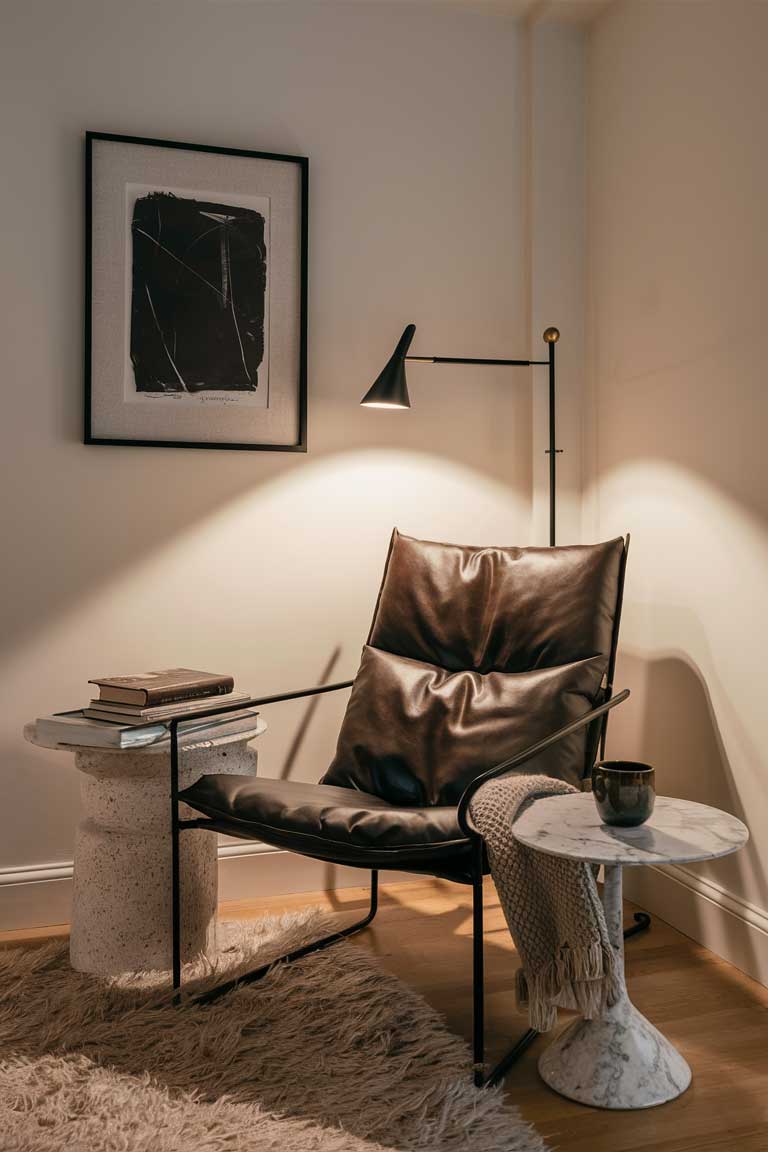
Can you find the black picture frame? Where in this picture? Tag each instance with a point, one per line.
(299, 443)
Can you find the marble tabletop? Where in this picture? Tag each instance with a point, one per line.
(679, 831)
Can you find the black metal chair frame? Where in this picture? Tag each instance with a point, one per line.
(642, 920)
(481, 1079)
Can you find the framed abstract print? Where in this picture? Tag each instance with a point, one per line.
(196, 296)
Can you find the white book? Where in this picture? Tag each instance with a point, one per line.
(75, 728)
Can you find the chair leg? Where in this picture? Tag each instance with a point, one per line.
(175, 901)
(641, 924)
(478, 986)
(523, 1044)
(478, 989)
(297, 953)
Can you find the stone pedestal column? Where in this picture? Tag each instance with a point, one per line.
(121, 914)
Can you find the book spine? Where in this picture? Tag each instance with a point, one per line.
(156, 697)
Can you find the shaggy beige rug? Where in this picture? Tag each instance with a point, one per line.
(328, 1054)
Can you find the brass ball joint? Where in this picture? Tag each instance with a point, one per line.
(551, 335)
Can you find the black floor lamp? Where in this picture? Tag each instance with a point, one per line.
(390, 390)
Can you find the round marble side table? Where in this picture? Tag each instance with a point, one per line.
(121, 907)
(621, 1060)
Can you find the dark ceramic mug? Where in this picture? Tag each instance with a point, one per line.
(624, 792)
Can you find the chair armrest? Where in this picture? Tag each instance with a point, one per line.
(527, 754)
(255, 701)
(173, 725)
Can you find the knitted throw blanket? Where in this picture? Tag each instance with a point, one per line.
(551, 906)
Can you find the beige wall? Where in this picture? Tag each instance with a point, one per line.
(263, 565)
(678, 257)
(446, 188)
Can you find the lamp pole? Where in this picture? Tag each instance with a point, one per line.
(551, 336)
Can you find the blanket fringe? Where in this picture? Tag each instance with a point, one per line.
(584, 979)
(551, 906)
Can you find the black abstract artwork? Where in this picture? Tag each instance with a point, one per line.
(199, 295)
(195, 296)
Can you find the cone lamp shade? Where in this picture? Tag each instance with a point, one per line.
(389, 389)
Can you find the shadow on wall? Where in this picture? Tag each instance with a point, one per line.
(671, 722)
(310, 708)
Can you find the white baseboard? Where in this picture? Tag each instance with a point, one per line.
(705, 911)
(35, 896)
(40, 895)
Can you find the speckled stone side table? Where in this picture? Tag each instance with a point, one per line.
(621, 1060)
(121, 909)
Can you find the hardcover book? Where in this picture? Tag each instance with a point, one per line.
(131, 714)
(151, 689)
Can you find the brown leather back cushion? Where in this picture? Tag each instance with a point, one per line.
(416, 734)
(497, 609)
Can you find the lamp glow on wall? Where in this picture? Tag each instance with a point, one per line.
(390, 390)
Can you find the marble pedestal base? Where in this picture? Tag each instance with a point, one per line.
(620, 1060)
(121, 912)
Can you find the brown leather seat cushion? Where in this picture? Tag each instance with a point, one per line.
(417, 734)
(339, 824)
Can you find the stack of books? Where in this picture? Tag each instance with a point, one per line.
(153, 696)
(132, 711)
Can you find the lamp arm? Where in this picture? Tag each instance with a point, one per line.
(550, 337)
(390, 390)
(470, 360)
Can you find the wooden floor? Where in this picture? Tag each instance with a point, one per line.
(715, 1015)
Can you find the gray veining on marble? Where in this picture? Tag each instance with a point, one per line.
(679, 831)
(121, 907)
(620, 1060)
